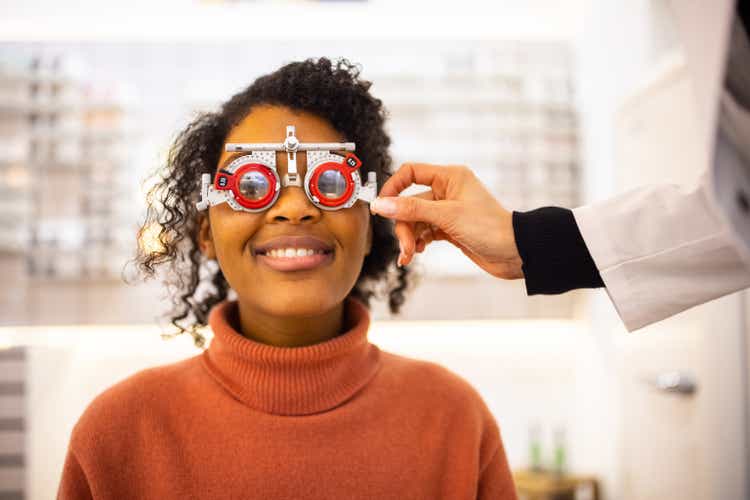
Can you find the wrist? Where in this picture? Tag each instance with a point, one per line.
(511, 256)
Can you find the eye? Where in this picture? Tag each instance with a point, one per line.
(332, 184)
(254, 185)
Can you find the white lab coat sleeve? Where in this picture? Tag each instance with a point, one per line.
(660, 250)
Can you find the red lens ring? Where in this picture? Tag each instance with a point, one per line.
(267, 173)
(329, 202)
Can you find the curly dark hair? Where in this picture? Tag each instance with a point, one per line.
(330, 90)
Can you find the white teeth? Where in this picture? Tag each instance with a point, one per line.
(292, 252)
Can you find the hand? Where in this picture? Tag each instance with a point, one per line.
(458, 209)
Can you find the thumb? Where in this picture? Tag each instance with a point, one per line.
(413, 209)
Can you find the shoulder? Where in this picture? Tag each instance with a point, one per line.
(432, 381)
(126, 403)
(435, 394)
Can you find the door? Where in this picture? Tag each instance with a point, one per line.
(677, 442)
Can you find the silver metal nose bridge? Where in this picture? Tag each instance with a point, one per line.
(291, 145)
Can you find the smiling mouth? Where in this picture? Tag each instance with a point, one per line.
(295, 259)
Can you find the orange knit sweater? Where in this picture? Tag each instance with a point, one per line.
(340, 419)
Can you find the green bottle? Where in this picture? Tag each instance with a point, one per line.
(535, 448)
(560, 458)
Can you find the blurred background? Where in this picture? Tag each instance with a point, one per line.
(550, 103)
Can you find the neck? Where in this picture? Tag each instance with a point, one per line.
(291, 381)
(289, 331)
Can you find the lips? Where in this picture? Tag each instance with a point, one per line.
(283, 242)
(294, 253)
(303, 263)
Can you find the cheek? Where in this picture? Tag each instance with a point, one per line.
(354, 231)
(231, 233)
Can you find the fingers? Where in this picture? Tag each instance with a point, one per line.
(425, 174)
(420, 229)
(406, 231)
(426, 234)
(377, 207)
(421, 245)
(409, 238)
(415, 208)
(406, 240)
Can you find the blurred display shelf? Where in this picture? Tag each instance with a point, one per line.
(51, 165)
(28, 76)
(38, 107)
(49, 104)
(68, 137)
(14, 246)
(82, 134)
(509, 115)
(492, 135)
(474, 104)
(103, 278)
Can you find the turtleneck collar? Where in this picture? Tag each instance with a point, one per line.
(291, 380)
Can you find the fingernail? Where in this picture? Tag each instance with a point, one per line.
(384, 206)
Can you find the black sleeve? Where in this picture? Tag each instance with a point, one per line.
(743, 11)
(555, 257)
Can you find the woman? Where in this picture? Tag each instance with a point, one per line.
(289, 400)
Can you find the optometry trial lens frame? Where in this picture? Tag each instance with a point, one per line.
(251, 182)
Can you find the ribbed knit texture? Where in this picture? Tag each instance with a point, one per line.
(334, 420)
(291, 380)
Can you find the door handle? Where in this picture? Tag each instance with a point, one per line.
(676, 382)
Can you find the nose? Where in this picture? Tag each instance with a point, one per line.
(293, 206)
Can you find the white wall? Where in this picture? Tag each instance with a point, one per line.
(621, 47)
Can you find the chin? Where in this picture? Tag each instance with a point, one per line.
(306, 304)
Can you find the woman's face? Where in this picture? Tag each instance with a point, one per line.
(263, 281)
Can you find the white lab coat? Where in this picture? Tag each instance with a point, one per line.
(663, 249)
